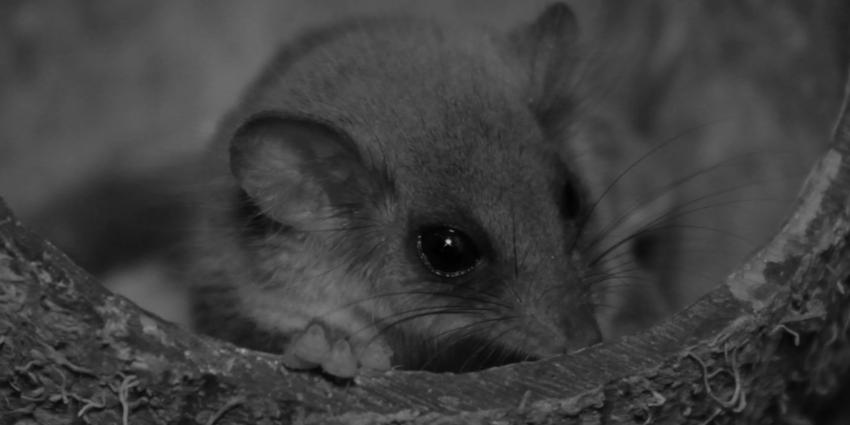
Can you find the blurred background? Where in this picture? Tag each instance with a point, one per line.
(97, 96)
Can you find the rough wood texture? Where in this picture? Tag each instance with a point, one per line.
(768, 346)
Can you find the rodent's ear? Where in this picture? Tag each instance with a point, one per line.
(547, 48)
(299, 172)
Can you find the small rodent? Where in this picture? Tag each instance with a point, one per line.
(407, 193)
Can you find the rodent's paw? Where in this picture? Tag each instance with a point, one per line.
(375, 356)
(316, 347)
(307, 349)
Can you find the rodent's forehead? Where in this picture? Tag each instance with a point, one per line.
(415, 101)
(443, 114)
(396, 86)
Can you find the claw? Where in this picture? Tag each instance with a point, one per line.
(312, 348)
(376, 356)
(341, 362)
(291, 361)
(312, 345)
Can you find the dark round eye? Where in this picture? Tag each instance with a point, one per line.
(446, 251)
(570, 201)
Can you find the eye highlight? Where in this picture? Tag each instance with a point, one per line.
(446, 251)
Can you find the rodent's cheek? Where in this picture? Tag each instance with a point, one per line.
(327, 295)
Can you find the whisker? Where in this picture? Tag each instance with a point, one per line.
(423, 312)
(680, 182)
(676, 214)
(490, 345)
(457, 334)
(655, 149)
(407, 293)
(446, 346)
(640, 233)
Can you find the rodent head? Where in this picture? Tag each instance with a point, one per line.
(405, 180)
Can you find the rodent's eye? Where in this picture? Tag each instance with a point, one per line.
(571, 201)
(446, 251)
